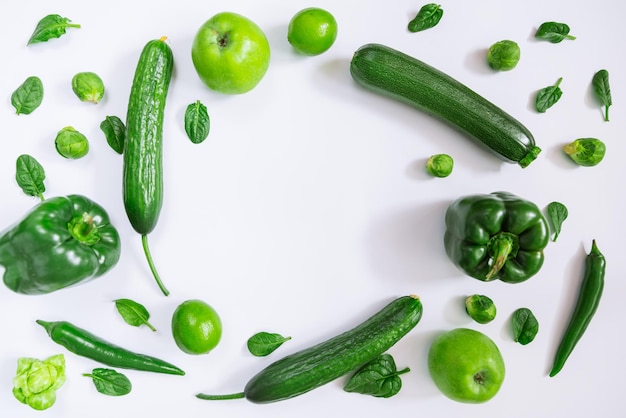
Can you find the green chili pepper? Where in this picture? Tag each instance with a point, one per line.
(86, 344)
(586, 306)
(496, 236)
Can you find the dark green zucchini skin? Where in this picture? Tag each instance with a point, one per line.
(143, 147)
(397, 75)
(322, 363)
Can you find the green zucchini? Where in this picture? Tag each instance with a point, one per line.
(143, 147)
(394, 74)
(322, 363)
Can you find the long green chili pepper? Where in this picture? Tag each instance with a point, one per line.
(85, 344)
(586, 306)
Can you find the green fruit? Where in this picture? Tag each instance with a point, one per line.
(196, 327)
(312, 31)
(230, 53)
(466, 365)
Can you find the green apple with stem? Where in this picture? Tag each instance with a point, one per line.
(230, 53)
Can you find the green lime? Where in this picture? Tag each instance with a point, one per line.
(196, 327)
(312, 31)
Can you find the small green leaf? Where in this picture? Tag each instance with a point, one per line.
(264, 343)
(557, 213)
(602, 89)
(553, 32)
(525, 326)
(427, 17)
(197, 122)
(28, 96)
(378, 378)
(110, 382)
(30, 176)
(114, 132)
(133, 313)
(548, 96)
(49, 27)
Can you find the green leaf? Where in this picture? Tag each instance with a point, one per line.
(553, 32)
(557, 213)
(427, 17)
(133, 313)
(30, 176)
(37, 381)
(548, 96)
(602, 89)
(110, 382)
(114, 132)
(28, 96)
(49, 27)
(264, 343)
(525, 326)
(197, 122)
(378, 378)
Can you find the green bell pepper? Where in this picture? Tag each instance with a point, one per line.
(61, 242)
(496, 236)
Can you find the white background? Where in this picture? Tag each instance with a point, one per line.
(308, 208)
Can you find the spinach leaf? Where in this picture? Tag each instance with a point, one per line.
(525, 326)
(264, 343)
(378, 378)
(197, 122)
(28, 96)
(548, 96)
(110, 382)
(557, 213)
(114, 132)
(554, 32)
(51, 26)
(602, 89)
(133, 313)
(427, 17)
(30, 176)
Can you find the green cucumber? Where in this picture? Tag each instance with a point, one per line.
(322, 363)
(143, 147)
(394, 74)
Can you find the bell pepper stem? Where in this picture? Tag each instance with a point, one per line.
(155, 273)
(501, 247)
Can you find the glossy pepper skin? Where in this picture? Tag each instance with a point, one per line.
(61, 242)
(496, 236)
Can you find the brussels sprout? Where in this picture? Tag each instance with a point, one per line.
(586, 151)
(88, 87)
(480, 308)
(503, 55)
(36, 381)
(71, 144)
(440, 165)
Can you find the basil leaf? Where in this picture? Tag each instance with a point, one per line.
(110, 382)
(378, 378)
(548, 96)
(427, 17)
(30, 176)
(28, 96)
(114, 132)
(133, 313)
(264, 343)
(51, 26)
(197, 122)
(557, 213)
(525, 326)
(554, 32)
(602, 89)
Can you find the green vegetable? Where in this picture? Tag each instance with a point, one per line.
(586, 152)
(28, 96)
(49, 27)
(427, 17)
(548, 96)
(133, 313)
(585, 308)
(114, 132)
(393, 74)
(61, 242)
(322, 363)
(554, 32)
(440, 165)
(496, 236)
(88, 87)
(71, 144)
(86, 344)
(265, 343)
(110, 382)
(143, 147)
(197, 122)
(602, 89)
(525, 326)
(379, 378)
(37, 381)
(557, 214)
(503, 55)
(30, 176)
(480, 308)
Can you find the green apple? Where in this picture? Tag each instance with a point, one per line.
(230, 53)
(466, 365)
